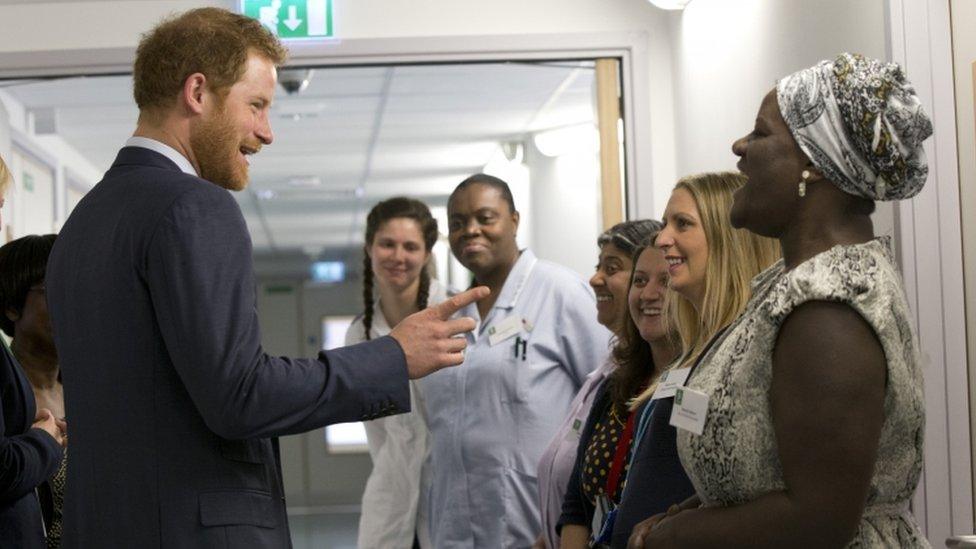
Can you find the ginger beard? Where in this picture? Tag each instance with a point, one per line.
(218, 151)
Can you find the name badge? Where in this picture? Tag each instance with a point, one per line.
(500, 331)
(670, 382)
(575, 432)
(690, 408)
(600, 511)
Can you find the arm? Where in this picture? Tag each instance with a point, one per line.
(574, 536)
(577, 513)
(643, 528)
(827, 409)
(26, 460)
(199, 275)
(574, 523)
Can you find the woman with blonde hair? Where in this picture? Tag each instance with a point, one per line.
(712, 288)
(710, 265)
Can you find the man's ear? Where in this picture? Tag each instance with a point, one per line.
(515, 218)
(193, 94)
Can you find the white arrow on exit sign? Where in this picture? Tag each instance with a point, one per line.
(293, 21)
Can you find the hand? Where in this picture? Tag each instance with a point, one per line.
(45, 421)
(427, 337)
(539, 543)
(641, 532)
(63, 426)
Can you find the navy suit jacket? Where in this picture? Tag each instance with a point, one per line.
(171, 398)
(28, 457)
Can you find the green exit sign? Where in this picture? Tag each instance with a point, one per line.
(292, 19)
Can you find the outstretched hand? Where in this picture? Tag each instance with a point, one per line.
(428, 337)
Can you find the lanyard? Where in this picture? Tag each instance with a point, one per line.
(619, 457)
(645, 418)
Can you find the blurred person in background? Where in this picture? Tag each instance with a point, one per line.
(31, 439)
(22, 298)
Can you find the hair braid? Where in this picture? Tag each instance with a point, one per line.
(367, 295)
(423, 292)
(397, 207)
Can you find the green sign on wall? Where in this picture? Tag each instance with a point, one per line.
(292, 19)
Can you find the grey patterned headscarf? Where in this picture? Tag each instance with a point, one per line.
(860, 123)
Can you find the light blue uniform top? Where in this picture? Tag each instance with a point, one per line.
(491, 418)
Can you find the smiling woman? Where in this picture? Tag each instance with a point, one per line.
(711, 263)
(400, 233)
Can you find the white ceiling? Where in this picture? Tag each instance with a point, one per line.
(363, 134)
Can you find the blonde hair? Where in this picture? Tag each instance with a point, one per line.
(5, 177)
(735, 257)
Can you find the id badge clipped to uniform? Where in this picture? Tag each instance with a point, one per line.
(604, 516)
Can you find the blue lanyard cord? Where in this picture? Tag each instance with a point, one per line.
(645, 418)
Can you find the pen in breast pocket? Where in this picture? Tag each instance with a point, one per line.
(520, 346)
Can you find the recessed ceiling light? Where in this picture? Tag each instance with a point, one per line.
(670, 4)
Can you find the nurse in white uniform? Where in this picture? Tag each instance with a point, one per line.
(400, 233)
(491, 418)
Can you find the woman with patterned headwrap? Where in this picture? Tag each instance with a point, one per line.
(813, 418)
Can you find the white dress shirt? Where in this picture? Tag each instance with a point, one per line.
(163, 149)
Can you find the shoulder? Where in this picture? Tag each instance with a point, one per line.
(860, 275)
(560, 279)
(356, 333)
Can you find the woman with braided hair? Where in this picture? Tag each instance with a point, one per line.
(400, 233)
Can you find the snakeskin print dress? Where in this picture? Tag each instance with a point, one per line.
(735, 460)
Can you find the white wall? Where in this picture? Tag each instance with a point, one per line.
(565, 215)
(727, 54)
(55, 153)
(964, 46)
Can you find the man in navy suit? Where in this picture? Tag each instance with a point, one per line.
(151, 295)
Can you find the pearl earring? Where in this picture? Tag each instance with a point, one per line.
(805, 174)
